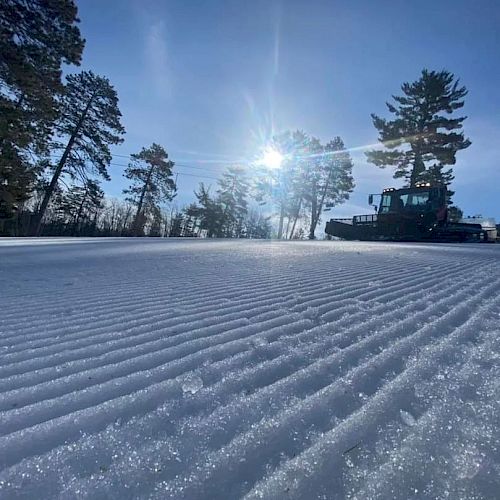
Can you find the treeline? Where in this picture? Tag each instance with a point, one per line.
(55, 136)
(310, 177)
(247, 202)
(55, 140)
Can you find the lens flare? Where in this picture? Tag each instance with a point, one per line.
(272, 159)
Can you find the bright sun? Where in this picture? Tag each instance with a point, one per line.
(272, 158)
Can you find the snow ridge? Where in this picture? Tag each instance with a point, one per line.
(228, 369)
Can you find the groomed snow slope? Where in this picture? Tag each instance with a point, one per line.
(223, 369)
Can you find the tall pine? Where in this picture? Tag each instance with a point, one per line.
(151, 174)
(89, 123)
(282, 187)
(328, 179)
(424, 136)
(232, 193)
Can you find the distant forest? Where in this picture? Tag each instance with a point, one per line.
(56, 137)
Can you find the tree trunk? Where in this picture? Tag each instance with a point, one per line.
(53, 183)
(79, 213)
(417, 170)
(224, 230)
(314, 203)
(125, 220)
(112, 223)
(317, 208)
(280, 226)
(296, 218)
(287, 227)
(94, 223)
(135, 225)
(165, 227)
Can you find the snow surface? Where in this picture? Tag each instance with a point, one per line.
(224, 369)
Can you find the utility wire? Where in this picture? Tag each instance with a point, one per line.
(175, 165)
(179, 173)
(182, 165)
(215, 162)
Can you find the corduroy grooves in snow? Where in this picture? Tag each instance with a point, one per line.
(157, 368)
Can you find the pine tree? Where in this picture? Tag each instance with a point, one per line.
(328, 179)
(283, 186)
(232, 195)
(209, 211)
(36, 38)
(423, 138)
(227, 214)
(311, 175)
(90, 123)
(151, 174)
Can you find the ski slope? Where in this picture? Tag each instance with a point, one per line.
(185, 369)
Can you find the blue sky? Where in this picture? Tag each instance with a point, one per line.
(210, 80)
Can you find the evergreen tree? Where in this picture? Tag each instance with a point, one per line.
(89, 123)
(223, 215)
(328, 179)
(36, 38)
(424, 126)
(227, 215)
(192, 219)
(8, 202)
(283, 186)
(311, 176)
(151, 174)
(209, 212)
(232, 195)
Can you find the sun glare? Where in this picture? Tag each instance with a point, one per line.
(272, 159)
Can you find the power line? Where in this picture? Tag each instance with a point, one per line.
(181, 165)
(179, 173)
(215, 162)
(178, 165)
(196, 175)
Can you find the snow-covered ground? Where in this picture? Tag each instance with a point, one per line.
(222, 369)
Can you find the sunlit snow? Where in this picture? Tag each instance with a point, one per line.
(162, 368)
